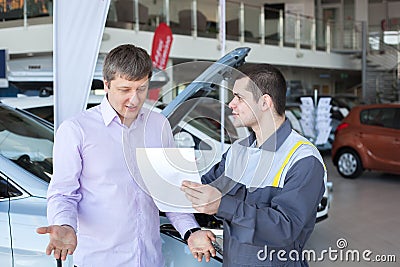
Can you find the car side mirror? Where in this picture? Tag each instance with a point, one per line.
(184, 139)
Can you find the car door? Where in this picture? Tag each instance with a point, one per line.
(6, 191)
(396, 163)
(20, 214)
(379, 134)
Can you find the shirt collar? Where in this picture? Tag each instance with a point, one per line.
(274, 142)
(109, 114)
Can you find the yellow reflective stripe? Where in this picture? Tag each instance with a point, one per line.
(275, 183)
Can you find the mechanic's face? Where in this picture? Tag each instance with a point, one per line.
(246, 111)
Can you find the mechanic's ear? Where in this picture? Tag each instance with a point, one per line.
(266, 102)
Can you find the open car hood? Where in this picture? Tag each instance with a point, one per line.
(204, 84)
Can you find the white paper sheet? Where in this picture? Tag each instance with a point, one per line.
(307, 101)
(163, 170)
(308, 128)
(323, 136)
(324, 101)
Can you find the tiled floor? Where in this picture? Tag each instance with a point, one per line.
(365, 212)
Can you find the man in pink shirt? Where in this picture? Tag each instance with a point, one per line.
(97, 209)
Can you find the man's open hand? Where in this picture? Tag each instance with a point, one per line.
(62, 240)
(200, 244)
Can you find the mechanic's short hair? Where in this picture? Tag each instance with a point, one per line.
(266, 80)
(127, 61)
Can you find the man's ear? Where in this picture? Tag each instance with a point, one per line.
(266, 102)
(106, 85)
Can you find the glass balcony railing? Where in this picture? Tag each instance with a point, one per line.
(233, 21)
(14, 9)
(252, 23)
(244, 22)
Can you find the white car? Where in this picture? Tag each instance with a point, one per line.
(25, 171)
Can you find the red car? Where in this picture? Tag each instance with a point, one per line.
(368, 139)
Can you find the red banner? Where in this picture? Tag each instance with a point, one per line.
(162, 42)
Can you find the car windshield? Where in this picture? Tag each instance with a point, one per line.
(27, 142)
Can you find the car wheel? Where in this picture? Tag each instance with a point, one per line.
(349, 164)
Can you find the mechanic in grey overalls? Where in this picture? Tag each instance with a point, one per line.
(267, 187)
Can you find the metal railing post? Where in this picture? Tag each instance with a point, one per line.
(313, 35)
(297, 32)
(328, 38)
(194, 18)
(166, 11)
(221, 25)
(241, 22)
(262, 25)
(364, 60)
(136, 15)
(280, 28)
(25, 14)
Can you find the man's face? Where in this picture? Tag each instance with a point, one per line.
(245, 110)
(127, 97)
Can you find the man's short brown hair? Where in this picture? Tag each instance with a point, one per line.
(128, 61)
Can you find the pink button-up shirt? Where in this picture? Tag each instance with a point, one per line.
(93, 188)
